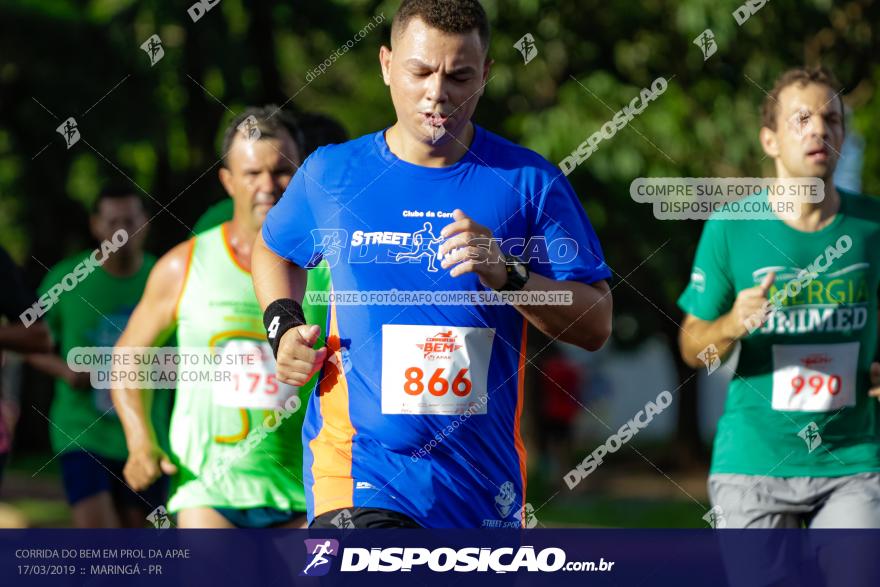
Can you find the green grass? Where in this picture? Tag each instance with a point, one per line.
(44, 513)
(623, 513)
(30, 463)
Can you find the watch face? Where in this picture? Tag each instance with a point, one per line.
(520, 270)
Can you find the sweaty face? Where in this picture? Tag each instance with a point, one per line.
(809, 131)
(257, 174)
(121, 213)
(436, 80)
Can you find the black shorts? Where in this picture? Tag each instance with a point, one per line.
(259, 517)
(85, 474)
(357, 518)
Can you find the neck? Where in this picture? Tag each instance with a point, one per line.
(241, 237)
(448, 151)
(814, 216)
(123, 263)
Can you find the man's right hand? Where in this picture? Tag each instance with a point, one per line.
(297, 361)
(145, 464)
(751, 310)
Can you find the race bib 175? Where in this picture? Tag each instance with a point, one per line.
(251, 383)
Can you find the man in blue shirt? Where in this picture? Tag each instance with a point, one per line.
(416, 421)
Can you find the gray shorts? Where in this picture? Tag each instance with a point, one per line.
(754, 501)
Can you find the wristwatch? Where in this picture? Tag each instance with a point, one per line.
(517, 273)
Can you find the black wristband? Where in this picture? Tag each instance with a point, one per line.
(279, 317)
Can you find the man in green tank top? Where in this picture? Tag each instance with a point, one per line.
(86, 301)
(798, 442)
(236, 449)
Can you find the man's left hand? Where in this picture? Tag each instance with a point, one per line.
(469, 248)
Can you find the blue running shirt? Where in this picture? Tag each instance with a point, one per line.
(419, 404)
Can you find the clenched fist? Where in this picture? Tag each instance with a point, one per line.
(145, 464)
(297, 361)
(751, 308)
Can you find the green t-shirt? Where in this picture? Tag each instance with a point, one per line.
(798, 404)
(214, 216)
(94, 313)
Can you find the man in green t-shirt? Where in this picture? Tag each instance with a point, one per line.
(86, 301)
(798, 441)
(236, 448)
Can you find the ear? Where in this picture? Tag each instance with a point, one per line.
(385, 63)
(769, 142)
(226, 179)
(94, 227)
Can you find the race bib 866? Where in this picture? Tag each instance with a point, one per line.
(440, 370)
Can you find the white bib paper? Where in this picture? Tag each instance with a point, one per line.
(252, 382)
(440, 370)
(814, 378)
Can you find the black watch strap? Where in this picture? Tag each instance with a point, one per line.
(517, 274)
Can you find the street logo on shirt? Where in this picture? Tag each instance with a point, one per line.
(423, 244)
(508, 505)
(505, 498)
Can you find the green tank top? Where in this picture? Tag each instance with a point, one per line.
(236, 442)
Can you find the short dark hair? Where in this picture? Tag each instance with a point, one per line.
(117, 192)
(271, 122)
(800, 76)
(449, 16)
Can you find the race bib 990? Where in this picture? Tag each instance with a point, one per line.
(441, 370)
(814, 378)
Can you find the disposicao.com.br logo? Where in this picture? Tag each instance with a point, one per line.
(444, 559)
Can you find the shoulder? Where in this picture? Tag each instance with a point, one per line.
(330, 158)
(65, 266)
(501, 152)
(170, 270)
(861, 205)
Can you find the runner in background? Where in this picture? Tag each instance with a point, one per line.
(236, 448)
(91, 309)
(310, 131)
(797, 443)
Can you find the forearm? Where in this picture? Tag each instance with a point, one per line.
(586, 322)
(275, 277)
(16, 337)
(51, 365)
(698, 334)
(133, 406)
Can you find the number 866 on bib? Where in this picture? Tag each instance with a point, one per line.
(436, 370)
